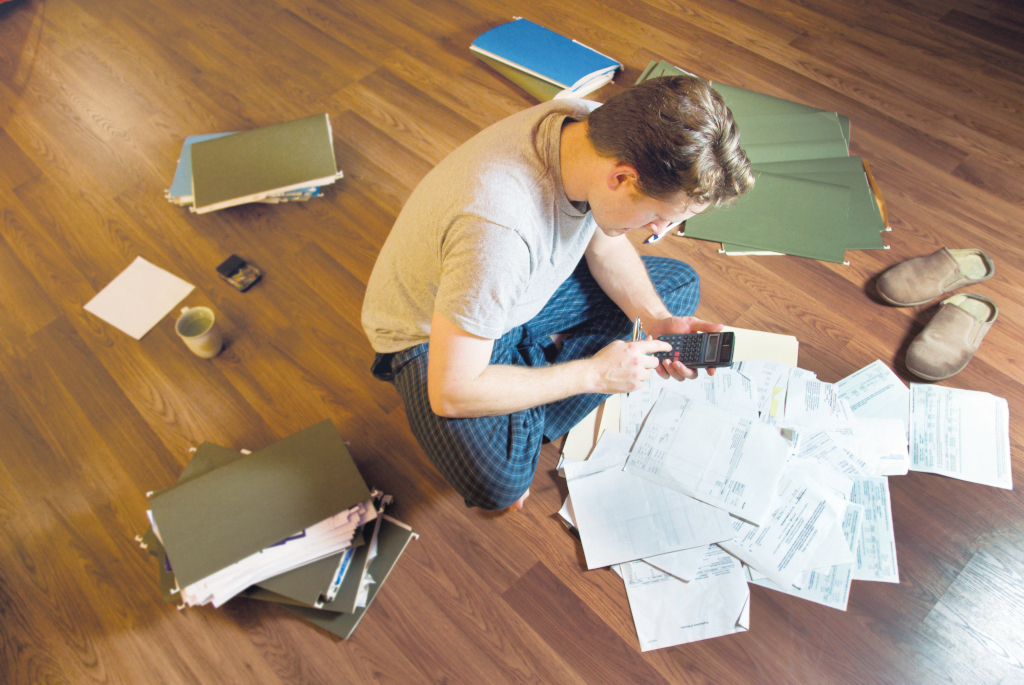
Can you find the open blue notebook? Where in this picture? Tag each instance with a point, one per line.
(547, 55)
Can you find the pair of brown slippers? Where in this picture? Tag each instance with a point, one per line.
(954, 334)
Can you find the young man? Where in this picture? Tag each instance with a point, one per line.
(500, 301)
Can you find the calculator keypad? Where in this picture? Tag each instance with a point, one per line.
(686, 348)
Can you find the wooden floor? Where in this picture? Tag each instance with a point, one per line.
(95, 100)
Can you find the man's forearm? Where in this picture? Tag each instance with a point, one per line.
(504, 389)
(618, 269)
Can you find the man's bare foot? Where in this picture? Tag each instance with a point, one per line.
(519, 503)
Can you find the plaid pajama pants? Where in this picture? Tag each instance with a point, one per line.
(491, 460)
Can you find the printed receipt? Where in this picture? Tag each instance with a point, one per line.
(962, 434)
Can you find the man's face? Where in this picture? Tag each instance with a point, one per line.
(626, 209)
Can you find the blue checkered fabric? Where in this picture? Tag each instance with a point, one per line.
(491, 460)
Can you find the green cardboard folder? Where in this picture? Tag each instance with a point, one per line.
(782, 214)
(251, 165)
(224, 515)
(865, 225)
(744, 103)
(392, 540)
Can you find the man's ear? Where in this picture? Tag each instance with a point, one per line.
(622, 174)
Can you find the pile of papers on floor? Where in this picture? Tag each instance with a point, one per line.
(763, 474)
(284, 162)
(810, 199)
(293, 523)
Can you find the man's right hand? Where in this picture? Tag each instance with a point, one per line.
(625, 366)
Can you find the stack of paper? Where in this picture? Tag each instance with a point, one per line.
(281, 163)
(543, 63)
(764, 474)
(292, 523)
(811, 198)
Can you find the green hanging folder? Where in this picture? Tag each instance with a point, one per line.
(392, 540)
(781, 214)
(251, 165)
(220, 517)
(865, 225)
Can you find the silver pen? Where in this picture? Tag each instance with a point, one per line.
(638, 329)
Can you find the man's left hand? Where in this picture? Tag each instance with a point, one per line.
(681, 324)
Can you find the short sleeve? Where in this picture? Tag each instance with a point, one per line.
(485, 268)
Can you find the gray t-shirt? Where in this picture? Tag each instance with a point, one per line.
(485, 238)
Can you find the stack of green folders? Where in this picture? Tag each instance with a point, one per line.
(284, 162)
(811, 198)
(292, 523)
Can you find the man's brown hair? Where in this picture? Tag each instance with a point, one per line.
(679, 136)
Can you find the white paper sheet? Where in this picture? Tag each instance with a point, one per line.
(636, 405)
(682, 565)
(876, 392)
(710, 454)
(831, 586)
(623, 518)
(783, 547)
(876, 555)
(727, 389)
(821, 447)
(669, 612)
(962, 434)
(882, 443)
(811, 403)
(138, 298)
(770, 379)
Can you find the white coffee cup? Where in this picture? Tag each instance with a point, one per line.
(198, 328)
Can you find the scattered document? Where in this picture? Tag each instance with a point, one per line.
(783, 547)
(624, 518)
(710, 454)
(821, 447)
(771, 379)
(809, 402)
(876, 392)
(669, 612)
(637, 405)
(961, 434)
(831, 586)
(876, 555)
(138, 298)
(682, 564)
(882, 443)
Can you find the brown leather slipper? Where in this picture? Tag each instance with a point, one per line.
(921, 279)
(952, 337)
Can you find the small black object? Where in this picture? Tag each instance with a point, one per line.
(235, 271)
(699, 350)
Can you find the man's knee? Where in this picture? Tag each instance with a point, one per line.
(677, 284)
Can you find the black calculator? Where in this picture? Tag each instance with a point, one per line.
(699, 350)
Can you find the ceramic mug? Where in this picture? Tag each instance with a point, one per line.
(198, 328)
